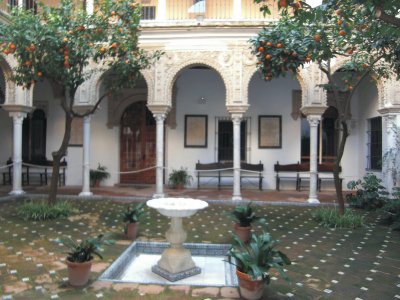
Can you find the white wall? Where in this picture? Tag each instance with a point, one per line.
(364, 106)
(272, 98)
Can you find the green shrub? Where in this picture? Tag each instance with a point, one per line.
(331, 218)
(391, 214)
(370, 194)
(41, 211)
(244, 215)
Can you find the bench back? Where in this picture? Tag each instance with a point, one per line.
(229, 165)
(304, 167)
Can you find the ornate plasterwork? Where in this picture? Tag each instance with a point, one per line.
(89, 92)
(389, 95)
(173, 63)
(6, 65)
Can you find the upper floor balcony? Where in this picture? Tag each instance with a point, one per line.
(167, 13)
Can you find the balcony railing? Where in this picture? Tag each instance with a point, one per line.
(171, 10)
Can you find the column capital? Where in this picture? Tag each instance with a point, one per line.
(160, 117)
(82, 109)
(236, 118)
(313, 120)
(394, 110)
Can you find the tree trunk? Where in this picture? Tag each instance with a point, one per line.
(57, 156)
(336, 166)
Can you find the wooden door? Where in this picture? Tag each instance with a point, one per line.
(138, 144)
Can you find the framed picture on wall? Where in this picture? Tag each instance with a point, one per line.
(196, 131)
(76, 139)
(269, 131)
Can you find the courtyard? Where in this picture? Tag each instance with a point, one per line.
(361, 263)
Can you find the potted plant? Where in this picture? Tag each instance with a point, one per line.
(244, 216)
(253, 262)
(179, 178)
(97, 175)
(80, 256)
(131, 218)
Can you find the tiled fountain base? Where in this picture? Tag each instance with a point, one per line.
(135, 264)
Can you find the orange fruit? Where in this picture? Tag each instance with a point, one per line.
(267, 78)
(317, 37)
(342, 32)
(340, 22)
(65, 40)
(282, 3)
(114, 45)
(279, 45)
(6, 51)
(339, 12)
(268, 57)
(40, 74)
(12, 46)
(28, 63)
(261, 49)
(133, 4)
(66, 64)
(102, 50)
(269, 44)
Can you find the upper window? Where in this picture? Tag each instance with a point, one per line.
(375, 144)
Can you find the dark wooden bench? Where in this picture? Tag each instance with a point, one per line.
(7, 174)
(325, 173)
(288, 172)
(225, 170)
(36, 169)
(300, 172)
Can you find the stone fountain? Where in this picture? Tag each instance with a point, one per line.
(176, 262)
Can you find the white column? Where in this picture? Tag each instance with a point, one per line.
(313, 120)
(237, 9)
(162, 10)
(236, 119)
(89, 7)
(160, 117)
(20, 3)
(86, 158)
(390, 145)
(18, 118)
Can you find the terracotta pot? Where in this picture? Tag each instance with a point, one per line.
(78, 273)
(131, 230)
(244, 233)
(249, 288)
(179, 186)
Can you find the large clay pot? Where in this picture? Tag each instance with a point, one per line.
(131, 230)
(244, 233)
(78, 273)
(249, 288)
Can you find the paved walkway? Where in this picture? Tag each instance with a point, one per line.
(204, 194)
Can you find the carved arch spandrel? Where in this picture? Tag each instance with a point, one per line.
(180, 61)
(6, 65)
(89, 91)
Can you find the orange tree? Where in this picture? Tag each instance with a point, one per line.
(59, 43)
(353, 29)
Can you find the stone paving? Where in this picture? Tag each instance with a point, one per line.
(358, 264)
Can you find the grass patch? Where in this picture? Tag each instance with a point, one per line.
(41, 211)
(331, 218)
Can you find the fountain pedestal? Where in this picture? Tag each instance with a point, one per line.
(176, 262)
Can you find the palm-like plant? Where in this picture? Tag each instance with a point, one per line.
(244, 215)
(84, 250)
(258, 257)
(133, 214)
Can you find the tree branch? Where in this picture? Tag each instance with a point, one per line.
(383, 16)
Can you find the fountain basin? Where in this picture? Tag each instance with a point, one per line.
(177, 207)
(176, 262)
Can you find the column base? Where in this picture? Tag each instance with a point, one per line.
(313, 200)
(17, 193)
(175, 276)
(237, 198)
(156, 196)
(85, 194)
